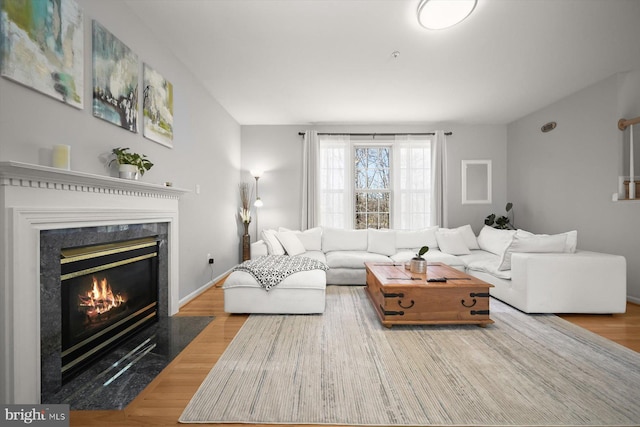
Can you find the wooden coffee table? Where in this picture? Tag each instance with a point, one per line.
(404, 298)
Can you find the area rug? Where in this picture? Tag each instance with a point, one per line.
(344, 367)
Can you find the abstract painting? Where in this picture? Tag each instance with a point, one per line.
(43, 47)
(157, 107)
(115, 80)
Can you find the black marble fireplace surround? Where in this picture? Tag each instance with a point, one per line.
(51, 244)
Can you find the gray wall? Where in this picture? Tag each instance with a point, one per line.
(278, 151)
(206, 144)
(564, 180)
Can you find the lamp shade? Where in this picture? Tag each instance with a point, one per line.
(440, 14)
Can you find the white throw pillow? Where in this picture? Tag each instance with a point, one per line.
(337, 239)
(494, 240)
(414, 239)
(274, 247)
(381, 242)
(292, 245)
(451, 242)
(570, 245)
(533, 244)
(311, 238)
(467, 234)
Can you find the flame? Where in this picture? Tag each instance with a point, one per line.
(100, 298)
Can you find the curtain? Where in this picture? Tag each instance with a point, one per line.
(411, 181)
(336, 203)
(439, 213)
(310, 180)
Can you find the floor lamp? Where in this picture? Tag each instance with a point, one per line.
(258, 203)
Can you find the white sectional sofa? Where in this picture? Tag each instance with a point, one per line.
(534, 273)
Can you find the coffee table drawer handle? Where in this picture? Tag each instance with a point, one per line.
(469, 306)
(391, 313)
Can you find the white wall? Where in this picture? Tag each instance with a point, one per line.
(278, 151)
(564, 180)
(206, 143)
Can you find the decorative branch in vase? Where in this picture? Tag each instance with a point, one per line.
(245, 199)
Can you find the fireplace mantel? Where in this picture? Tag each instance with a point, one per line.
(34, 198)
(29, 175)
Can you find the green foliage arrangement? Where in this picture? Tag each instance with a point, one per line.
(503, 222)
(423, 250)
(124, 157)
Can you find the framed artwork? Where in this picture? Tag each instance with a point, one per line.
(115, 80)
(43, 47)
(157, 107)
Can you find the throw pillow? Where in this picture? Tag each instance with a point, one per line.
(452, 242)
(273, 244)
(381, 242)
(570, 245)
(311, 238)
(337, 239)
(292, 245)
(494, 240)
(467, 234)
(415, 239)
(532, 244)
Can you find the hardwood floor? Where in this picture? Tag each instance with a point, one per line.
(163, 401)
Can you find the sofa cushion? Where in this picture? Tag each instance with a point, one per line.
(336, 239)
(414, 239)
(381, 242)
(532, 243)
(451, 242)
(311, 239)
(290, 242)
(486, 262)
(434, 255)
(469, 237)
(274, 247)
(353, 259)
(494, 240)
(569, 246)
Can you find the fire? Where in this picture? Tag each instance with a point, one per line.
(100, 298)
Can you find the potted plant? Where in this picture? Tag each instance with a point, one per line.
(418, 263)
(131, 165)
(503, 222)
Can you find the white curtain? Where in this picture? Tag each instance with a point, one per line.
(310, 180)
(336, 203)
(439, 213)
(411, 182)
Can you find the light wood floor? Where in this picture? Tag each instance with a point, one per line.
(163, 401)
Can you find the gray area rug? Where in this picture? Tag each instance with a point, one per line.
(343, 367)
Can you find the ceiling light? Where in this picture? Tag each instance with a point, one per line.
(440, 14)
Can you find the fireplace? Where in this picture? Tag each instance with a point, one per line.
(108, 292)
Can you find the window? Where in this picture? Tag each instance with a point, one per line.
(375, 184)
(372, 186)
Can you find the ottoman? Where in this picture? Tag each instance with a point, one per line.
(300, 293)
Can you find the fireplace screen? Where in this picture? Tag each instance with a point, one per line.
(108, 293)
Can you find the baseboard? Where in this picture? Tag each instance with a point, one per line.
(202, 288)
(633, 300)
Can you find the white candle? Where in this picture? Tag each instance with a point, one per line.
(632, 184)
(61, 157)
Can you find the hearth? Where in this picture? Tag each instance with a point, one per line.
(109, 292)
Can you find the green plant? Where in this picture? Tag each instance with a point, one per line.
(503, 222)
(124, 157)
(423, 250)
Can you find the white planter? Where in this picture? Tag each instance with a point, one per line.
(128, 171)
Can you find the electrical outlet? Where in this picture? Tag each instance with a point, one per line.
(210, 260)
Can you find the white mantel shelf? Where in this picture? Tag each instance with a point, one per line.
(28, 175)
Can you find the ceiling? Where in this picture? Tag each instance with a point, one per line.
(332, 62)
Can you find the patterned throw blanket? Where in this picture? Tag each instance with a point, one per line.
(269, 270)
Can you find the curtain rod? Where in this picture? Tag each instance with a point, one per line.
(623, 123)
(377, 134)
